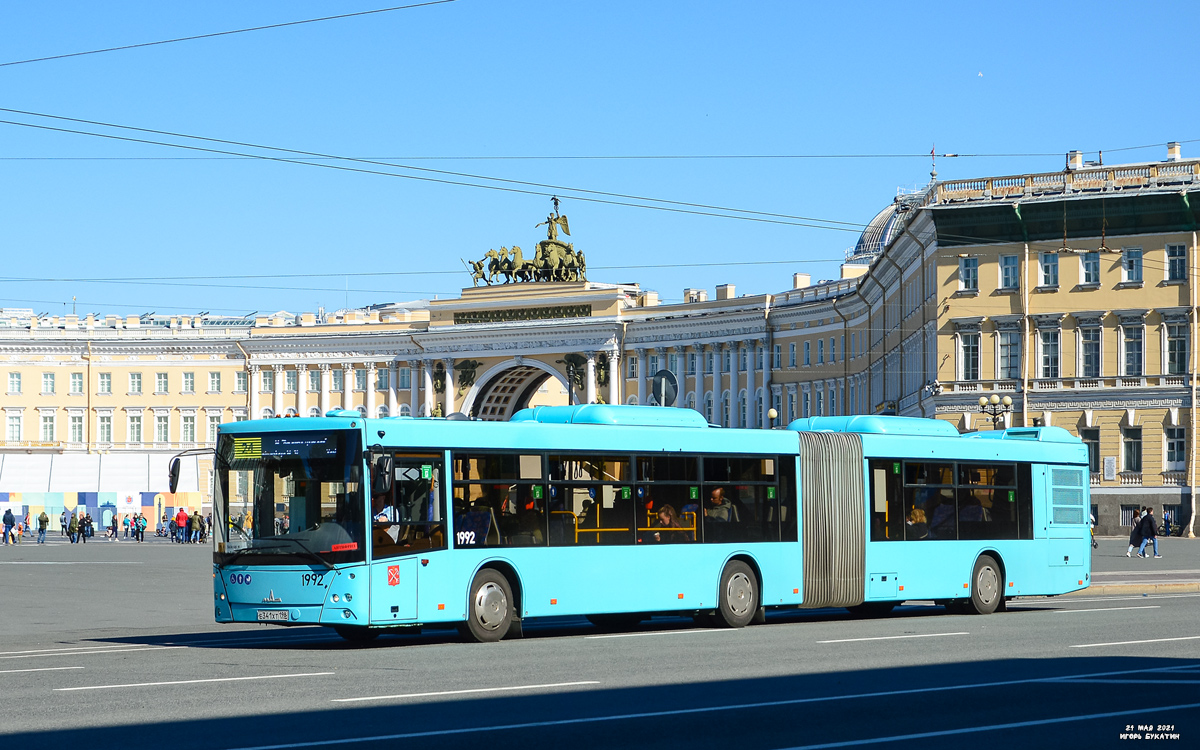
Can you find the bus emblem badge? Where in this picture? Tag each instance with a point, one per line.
(393, 575)
(271, 597)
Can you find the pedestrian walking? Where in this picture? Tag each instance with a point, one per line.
(28, 527)
(73, 528)
(62, 524)
(1135, 532)
(9, 523)
(85, 527)
(125, 522)
(141, 527)
(1149, 533)
(181, 524)
(43, 524)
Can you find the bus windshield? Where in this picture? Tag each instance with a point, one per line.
(289, 498)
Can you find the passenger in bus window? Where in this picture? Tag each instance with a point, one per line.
(720, 508)
(669, 529)
(915, 526)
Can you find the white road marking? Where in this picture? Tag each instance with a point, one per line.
(1023, 602)
(891, 637)
(1134, 643)
(89, 653)
(464, 692)
(67, 648)
(991, 728)
(662, 632)
(190, 682)
(708, 709)
(40, 669)
(78, 562)
(1105, 609)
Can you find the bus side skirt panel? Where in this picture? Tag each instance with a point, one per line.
(833, 518)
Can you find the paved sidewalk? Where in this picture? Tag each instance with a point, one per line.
(1113, 573)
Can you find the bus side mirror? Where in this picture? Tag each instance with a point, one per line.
(381, 479)
(174, 475)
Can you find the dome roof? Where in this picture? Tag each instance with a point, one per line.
(879, 232)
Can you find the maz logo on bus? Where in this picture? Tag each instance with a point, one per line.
(239, 578)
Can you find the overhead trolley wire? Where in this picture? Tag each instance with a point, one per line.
(222, 33)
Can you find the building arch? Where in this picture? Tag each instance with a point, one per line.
(505, 388)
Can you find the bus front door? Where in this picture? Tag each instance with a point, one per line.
(394, 590)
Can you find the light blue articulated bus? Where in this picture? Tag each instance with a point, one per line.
(618, 513)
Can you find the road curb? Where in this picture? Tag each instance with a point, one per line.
(1113, 589)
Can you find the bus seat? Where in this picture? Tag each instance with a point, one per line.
(479, 521)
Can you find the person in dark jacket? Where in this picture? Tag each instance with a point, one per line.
(1149, 533)
(9, 522)
(1135, 532)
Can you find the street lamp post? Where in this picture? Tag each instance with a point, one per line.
(995, 407)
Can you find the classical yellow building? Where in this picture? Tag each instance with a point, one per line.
(1072, 293)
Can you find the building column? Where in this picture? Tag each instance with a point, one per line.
(427, 375)
(414, 387)
(697, 377)
(326, 375)
(680, 376)
(302, 390)
(641, 371)
(255, 384)
(277, 403)
(717, 383)
(393, 404)
(347, 385)
(448, 409)
(735, 403)
(589, 391)
(766, 383)
(370, 396)
(614, 376)
(751, 385)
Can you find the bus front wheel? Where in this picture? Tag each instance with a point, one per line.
(987, 585)
(737, 597)
(489, 607)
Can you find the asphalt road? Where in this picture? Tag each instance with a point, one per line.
(112, 645)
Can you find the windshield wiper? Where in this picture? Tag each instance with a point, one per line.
(248, 550)
(309, 552)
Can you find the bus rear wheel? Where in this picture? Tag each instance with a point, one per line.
(489, 607)
(737, 596)
(987, 585)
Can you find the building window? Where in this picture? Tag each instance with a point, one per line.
(47, 384)
(47, 428)
(1131, 265)
(673, 362)
(360, 380)
(14, 383)
(691, 363)
(162, 426)
(820, 351)
(1091, 438)
(189, 382)
(135, 384)
(708, 408)
(214, 382)
(1176, 263)
(728, 359)
(1175, 448)
(76, 421)
(314, 381)
(338, 376)
(104, 429)
(291, 379)
(807, 353)
(1091, 268)
(832, 349)
(851, 404)
(651, 365)
(160, 382)
(1133, 350)
(1132, 439)
(104, 383)
(405, 376)
(842, 348)
(135, 428)
(791, 355)
(268, 381)
(214, 425)
(1177, 349)
(241, 382)
(819, 403)
(742, 359)
(970, 356)
(632, 370)
(77, 383)
(1010, 276)
(1010, 355)
(777, 356)
(805, 407)
(1089, 342)
(382, 379)
(968, 274)
(14, 428)
(1049, 269)
(1049, 354)
(188, 428)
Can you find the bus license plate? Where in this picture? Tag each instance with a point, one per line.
(270, 615)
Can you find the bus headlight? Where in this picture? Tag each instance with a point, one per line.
(336, 599)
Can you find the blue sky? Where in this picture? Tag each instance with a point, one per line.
(477, 78)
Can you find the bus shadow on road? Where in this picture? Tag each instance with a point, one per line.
(1085, 701)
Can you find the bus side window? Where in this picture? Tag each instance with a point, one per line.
(499, 500)
(412, 517)
(886, 514)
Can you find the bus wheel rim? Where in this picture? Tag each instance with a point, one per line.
(491, 606)
(739, 594)
(987, 584)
